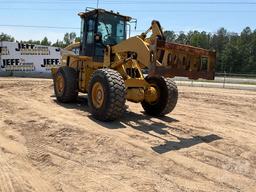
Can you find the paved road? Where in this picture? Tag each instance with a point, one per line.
(217, 85)
(233, 80)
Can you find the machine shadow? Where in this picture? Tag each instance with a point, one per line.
(147, 125)
(143, 122)
(80, 104)
(185, 143)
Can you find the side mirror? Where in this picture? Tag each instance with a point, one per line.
(98, 37)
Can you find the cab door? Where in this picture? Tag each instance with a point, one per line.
(87, 33)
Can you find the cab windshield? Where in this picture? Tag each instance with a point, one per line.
(112, 28)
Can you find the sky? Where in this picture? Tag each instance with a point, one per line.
(176, 15)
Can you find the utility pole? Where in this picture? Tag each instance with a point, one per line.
(97, 4)
(1, 49)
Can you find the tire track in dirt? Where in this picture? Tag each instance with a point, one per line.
(14, 179)
(42, 156)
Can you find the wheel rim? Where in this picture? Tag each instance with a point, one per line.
(60, 84)
(97, 95)
(158, 94)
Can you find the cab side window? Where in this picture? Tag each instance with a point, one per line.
(90, 32)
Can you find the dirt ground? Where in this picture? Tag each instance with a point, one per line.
(208, 143)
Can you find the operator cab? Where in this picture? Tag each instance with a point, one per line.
(100, 28)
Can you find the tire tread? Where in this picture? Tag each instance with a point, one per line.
(70, 91)
(116, 91)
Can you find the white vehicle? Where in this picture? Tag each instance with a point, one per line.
(28, 58)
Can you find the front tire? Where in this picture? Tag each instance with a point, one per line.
(65, 85)
(106, 95)
(167, 97)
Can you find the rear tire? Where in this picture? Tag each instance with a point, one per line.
(167, 97)
(106, 95)
(65, 85)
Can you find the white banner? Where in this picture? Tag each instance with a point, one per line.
(28, 57)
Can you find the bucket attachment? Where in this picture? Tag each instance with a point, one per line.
(172, 59)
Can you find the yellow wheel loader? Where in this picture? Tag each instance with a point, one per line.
(112, 68)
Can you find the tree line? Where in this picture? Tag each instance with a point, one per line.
(67, 40)
(236, 52)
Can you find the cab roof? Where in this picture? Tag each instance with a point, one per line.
(97, 11)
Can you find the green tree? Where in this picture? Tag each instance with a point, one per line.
(58, 44)
(45, 42)
(69, 38)
(35, 42)
(246, 47)
(182, 38)
(253, 52)
(199, 39)
(231, 56)
(218, 43)
(78, 39)
(5, 37)
(170, 36)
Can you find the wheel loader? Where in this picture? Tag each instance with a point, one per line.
(112, 68)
